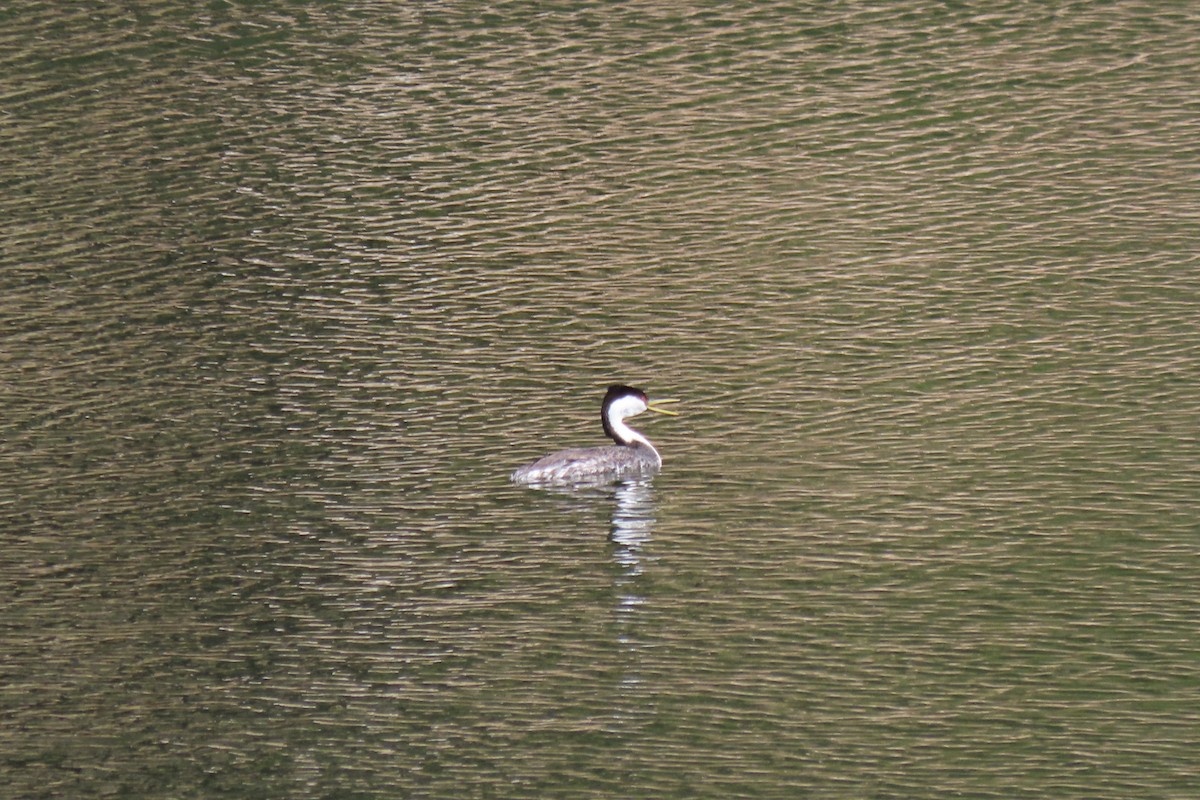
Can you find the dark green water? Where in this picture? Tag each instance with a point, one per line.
(286, 292)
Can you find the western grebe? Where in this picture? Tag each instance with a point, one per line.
(632, 454)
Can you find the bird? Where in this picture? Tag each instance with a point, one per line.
(632, 456)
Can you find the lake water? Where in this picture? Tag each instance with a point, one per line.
(286, 292)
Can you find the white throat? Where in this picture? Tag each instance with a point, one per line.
(626, 434)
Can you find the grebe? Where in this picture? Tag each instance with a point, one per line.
(632, 454)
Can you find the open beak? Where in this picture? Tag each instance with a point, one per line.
(653, 406)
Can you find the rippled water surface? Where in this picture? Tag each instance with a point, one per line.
(286, 291)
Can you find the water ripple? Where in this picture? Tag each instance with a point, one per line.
(287, 292)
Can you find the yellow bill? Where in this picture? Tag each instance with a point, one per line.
(653, 405)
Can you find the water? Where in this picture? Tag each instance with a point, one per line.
(286, 293)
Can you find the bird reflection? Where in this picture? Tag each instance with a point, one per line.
(633, 520)
(632, 506)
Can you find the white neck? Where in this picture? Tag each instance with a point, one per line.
(615, 414)
(627, 435)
